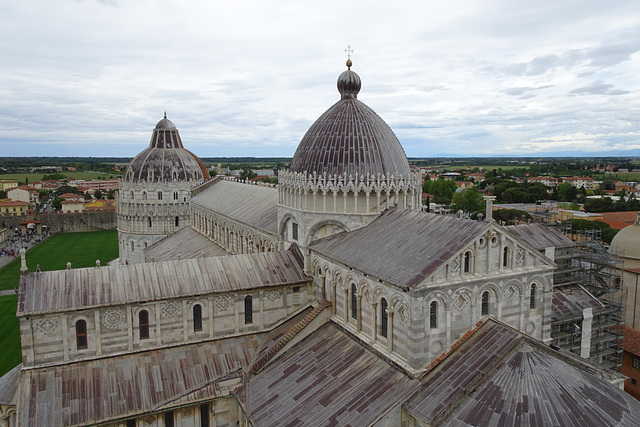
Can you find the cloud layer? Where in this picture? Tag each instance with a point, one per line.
(247, 78)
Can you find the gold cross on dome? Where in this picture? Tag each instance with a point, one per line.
(348, 51)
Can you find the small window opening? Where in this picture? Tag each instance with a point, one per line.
(532, 297)
(433, 315)
(485, 303)
(384, 318)
(248, 310)
(143, 324)
(197, 318)
(81, 334)
(354, 301)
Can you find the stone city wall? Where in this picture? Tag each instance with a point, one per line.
(68, 223)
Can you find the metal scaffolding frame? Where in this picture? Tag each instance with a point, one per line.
(590, 266)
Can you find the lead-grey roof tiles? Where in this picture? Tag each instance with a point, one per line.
(350, 138)
(183, 244)
(97, 391)
(540, 236)
(327, 379)
(402, 246)
(500, 377)
(254, 205)
(81, 288)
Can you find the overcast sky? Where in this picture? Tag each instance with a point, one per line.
(248, 78)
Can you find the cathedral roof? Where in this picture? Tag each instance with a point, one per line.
(350, 138)
(402, 246)
(83, 288)
(183, 244)
(117, 387)
(499, 376)
(254, 205)
(540, 236)
(166, 159)
(329, 378)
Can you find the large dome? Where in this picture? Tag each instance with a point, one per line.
(166, 159)
(626, 244)
(350, 138)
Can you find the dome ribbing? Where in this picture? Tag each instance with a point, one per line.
(350, 138)
(166, 159)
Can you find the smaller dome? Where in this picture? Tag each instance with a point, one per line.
(626, 244)
(165, 123)
(349, 83)
(166, 159)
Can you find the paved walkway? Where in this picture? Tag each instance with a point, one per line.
(7, 292)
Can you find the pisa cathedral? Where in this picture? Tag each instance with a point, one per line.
(329, 299)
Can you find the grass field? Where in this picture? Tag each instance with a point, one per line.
(71, 175)
(81, 249)
(10, 355)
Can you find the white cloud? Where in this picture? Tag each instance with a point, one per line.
(249, 77)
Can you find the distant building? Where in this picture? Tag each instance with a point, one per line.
(71, 206)
(7, 184)
(587, 183)
(14, 208)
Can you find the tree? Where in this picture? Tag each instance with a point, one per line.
(54, 177)
(566, 192)
(87, 195)
(247, 174)
(66, 189)
(57, 203)
(442, 190)
(98, 194)
(508, 215)
(111, 194)
(469, 201)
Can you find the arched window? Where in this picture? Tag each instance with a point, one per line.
(197, 318)
(144, 195)
(177, 221)
(143, 324)
(384, 318)
(354, 301)
(133, 246)
(485, 303)
(175, 195)
(132, 195)
(433, 315)
(248, 310)
(505, 257)
(150, 223)
(159, 195)
(294, 231)
(467, 262)
(81, 334)
(532, 297)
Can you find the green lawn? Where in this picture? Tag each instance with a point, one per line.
(81, 249)
(10, 355)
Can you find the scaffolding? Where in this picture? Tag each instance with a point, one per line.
(589, 266)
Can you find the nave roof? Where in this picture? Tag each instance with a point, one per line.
(254, 205)
(83, 288)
